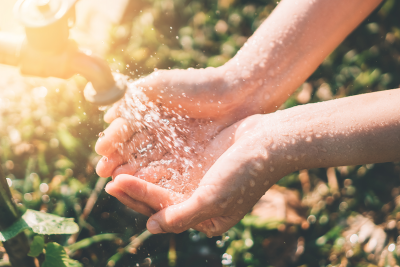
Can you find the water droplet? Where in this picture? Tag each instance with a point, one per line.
(271, 169)
(266, 182)
(227, 259)
(311, 219)
(220, 243)
(105, 159)
(148, 118)
(242, 189)
(308, 139)
(240, 201)
(186, 148)
(258, 166)
(353, 238)
(199, 165)
(223, 205)
(252, 183)
(44, 187)
(101, 134)
(253, 173)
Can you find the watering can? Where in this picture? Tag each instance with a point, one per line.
(47, 51)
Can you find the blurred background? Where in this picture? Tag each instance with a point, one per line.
(344, 216)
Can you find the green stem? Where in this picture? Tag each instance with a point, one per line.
(8, 211)
(17, 247)
(135, 244)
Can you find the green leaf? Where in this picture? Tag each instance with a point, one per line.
(40, 223)
(36, 246)
(49, 224)
(57, 257)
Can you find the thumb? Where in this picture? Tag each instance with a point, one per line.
(180, 217)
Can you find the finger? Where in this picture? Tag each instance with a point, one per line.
(181, 217)
(128, 201)
(127, 163)
(107, 166)
(178, 218)
(152, 195)
(118, 132)
(129, 152)
(111, 114)
(130, 169)
(217, 226)
(152, 174)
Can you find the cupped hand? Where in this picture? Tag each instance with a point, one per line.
(237, 172)
(191, 164)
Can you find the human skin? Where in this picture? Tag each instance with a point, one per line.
(281, 54)
(273, 63)
(349, 131)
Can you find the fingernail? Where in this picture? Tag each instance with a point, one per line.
(108, 185)
(116, 177)
(154, 227)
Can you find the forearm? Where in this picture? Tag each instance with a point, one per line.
(349, 131)
(287, 48)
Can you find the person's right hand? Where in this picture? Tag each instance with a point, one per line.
(210, 93)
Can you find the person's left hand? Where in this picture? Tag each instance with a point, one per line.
(237, 172)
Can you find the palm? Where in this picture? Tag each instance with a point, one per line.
(150, 196)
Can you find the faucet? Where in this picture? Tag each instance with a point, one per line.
(47, 51)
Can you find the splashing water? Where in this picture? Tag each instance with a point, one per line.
(165, 144)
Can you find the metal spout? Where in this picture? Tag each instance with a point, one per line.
(101, 89)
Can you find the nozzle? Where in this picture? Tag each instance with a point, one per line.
(101, 89)
(46, 50)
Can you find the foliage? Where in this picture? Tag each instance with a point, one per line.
(37, 246)
(57, 257)
(40, 223)
(48, 133)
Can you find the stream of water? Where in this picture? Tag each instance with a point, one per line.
(166, 146)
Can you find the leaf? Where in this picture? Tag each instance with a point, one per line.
(40, 223)
(49, 224)
(36, 246)
(57, 257)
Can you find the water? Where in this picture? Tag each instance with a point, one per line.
(173, 144)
